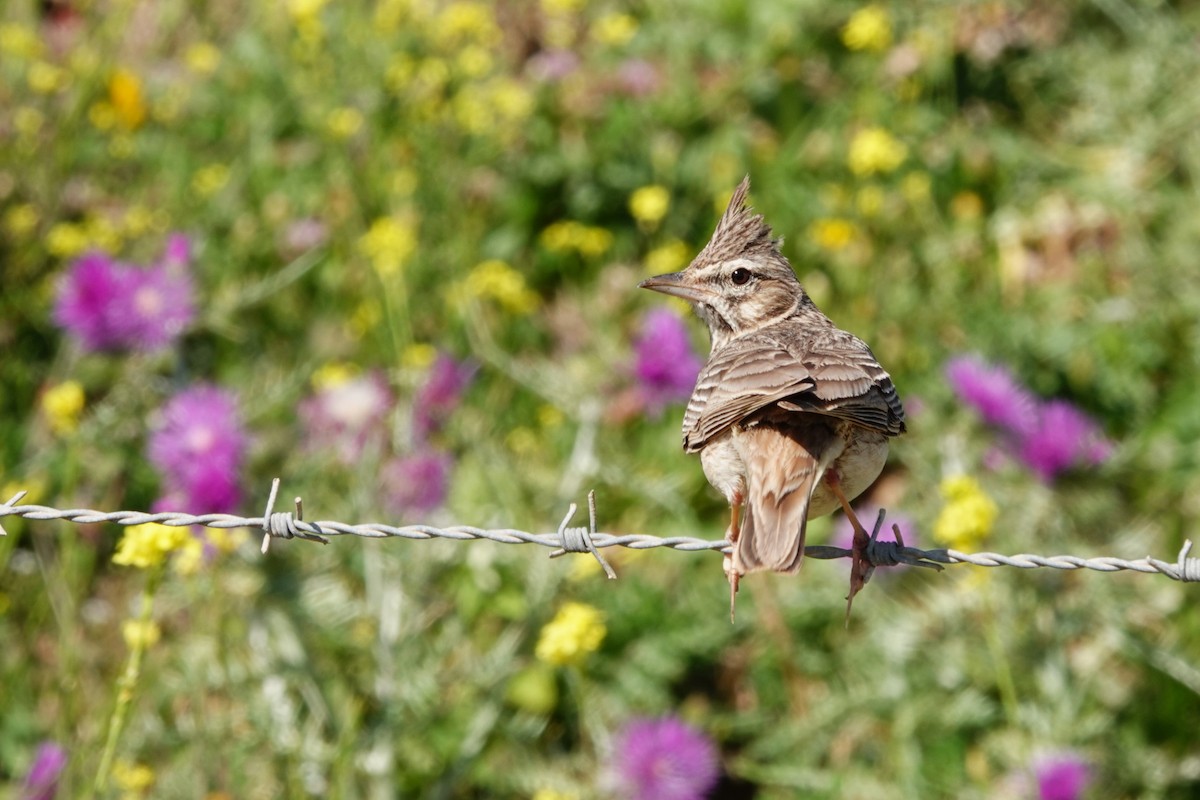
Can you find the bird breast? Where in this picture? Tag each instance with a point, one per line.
(723, 467)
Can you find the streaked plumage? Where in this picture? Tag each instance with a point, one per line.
(789, 408)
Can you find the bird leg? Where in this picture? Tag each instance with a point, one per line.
(860, 568)
(735, 532)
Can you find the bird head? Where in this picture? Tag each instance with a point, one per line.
(740, 282)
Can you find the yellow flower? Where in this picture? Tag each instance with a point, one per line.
(62, 405)
(869, 28)
(420, 355)
(149, 545)
(669, 257)
(332, 375)
(832, 233)
(21, 220)
(554, 794)
(388, 244)
(210, 179)
(968, 515)
(203, 58)
(870, 200)
(576, 631)
(474, 61)
(561, 237)
(46, 78)
(966, 206)
(916, 187)
(550, 416)
(102, 233)
(66, 240)
(137, 221)
(344, 122)
(615, 29)
(125, 95)
(140, 635)
(19, 41)
(649, 204)
(189, 559)
(132, 778)
(102, 115)
(305, 11)
(496, 280)
(463, 21)
(875, 150)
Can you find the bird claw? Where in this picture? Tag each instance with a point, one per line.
(734, 577)
(861, 567)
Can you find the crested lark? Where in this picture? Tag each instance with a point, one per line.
(791, 415)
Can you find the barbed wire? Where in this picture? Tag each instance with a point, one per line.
(566, 539)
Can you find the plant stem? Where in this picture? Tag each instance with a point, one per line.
(127, 683)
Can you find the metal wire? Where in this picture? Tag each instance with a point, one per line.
(289, 525)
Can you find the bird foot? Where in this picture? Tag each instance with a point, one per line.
(734, 577)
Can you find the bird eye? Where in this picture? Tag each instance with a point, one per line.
(740, 276)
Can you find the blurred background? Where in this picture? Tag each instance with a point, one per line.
(388, 253)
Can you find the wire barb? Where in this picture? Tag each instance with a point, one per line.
(1185, 568)
(579, 540)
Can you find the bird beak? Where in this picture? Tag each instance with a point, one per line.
(675, 283)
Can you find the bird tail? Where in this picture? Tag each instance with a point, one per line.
(781, 477)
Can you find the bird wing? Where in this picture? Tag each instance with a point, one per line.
(850, 383)
(829, 372)
(741, 378)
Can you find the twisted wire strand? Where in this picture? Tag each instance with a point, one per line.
(288, 525)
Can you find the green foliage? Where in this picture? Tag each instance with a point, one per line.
(1014, 180)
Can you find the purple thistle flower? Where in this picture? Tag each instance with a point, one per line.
(345, 417)
(108, 305)
(1063, 776)
(438, 398)
(666, 366)
(416, 484)
(992, 391)
(1062, 437)
(663, 759)
(198, 445)
(42, 781)
(90, 296)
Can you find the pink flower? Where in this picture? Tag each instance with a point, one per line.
(437, 399)
(1062, 437)
(1063, 776)
(416, 484)
(42, 781)
(346, 417)
(666, 366)
(992, 391)
(198, 446)
(663, 759)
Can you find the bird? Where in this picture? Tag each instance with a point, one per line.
(791, 415)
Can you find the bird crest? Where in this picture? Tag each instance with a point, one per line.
(740, 232)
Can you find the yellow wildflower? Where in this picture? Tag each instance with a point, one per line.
(419, 355)
(189, 559)
(389, 243)
(21, 220)
(554, 794)
(576, 630)
(344, 122)
(523, 443)
(916, 187)
(550, 416)
(125, 95)
(132, 778)
(465, 21)
(332, 375)
(305, 11)
(570, 235)
(102, 116)
(511, 99)
(140, 635)
(875, 150)
(615, 29)
(869, 28)
(66, 240)
(149, 545)
(832, 233)
(496, 280)
(102, 233)
(364, 318)
(473, 61)
(669, 257)
(968, 515)
(137, 221)
(649, 204)
(203, 58)
(62, 405)
(966, 206)
(210, 179)
(870, 200)
(46, 78)
(28, 121)
(19, 41)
